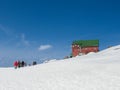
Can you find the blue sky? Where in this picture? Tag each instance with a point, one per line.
(46, 28)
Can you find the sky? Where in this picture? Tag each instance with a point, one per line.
(45, 29)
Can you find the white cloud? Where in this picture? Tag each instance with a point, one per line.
(44, 47)
(23, 41)
(3, 29)
(18, 39)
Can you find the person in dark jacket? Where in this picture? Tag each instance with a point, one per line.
(19, 64)
(34, 63)
(22, 64)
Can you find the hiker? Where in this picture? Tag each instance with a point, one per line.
(19, 64)
(34, 63)
(15, 64)
(22, 64)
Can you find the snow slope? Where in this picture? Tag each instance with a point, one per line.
(95, 71)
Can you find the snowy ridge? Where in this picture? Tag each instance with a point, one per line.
(95, 71)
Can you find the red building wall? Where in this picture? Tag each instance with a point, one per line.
(86, 50)
(76, 50)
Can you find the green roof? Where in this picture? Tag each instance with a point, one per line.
(86, 43)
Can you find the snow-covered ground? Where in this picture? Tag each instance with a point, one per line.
(95, 71)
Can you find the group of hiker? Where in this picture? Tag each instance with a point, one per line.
(18, 64)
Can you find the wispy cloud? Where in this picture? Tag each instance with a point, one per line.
(4, 29)
(44, 47)
(12, 38)
(23, 41)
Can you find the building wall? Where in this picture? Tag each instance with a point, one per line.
(86, 50)
(76, 50)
